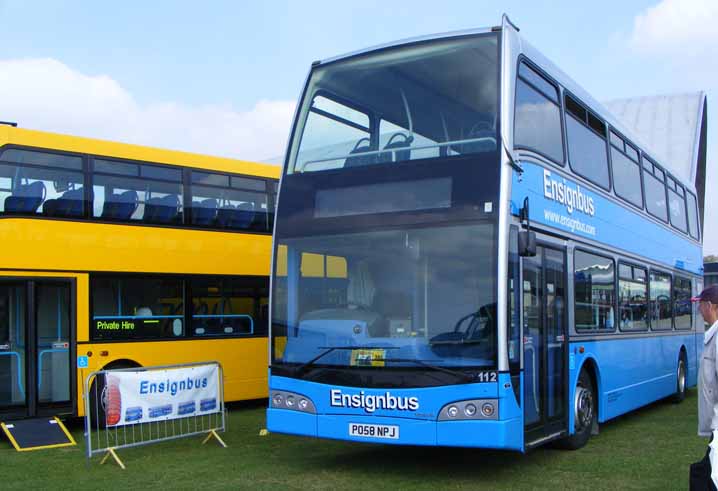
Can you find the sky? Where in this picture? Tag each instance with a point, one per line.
(223, 77)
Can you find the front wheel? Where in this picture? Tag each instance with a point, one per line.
(584, 411)
(680, 394)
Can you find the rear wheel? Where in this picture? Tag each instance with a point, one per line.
(585, 412)
(680, 394)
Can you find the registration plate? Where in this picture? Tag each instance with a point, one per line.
(374, 431)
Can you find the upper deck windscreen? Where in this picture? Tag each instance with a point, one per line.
(432, 99)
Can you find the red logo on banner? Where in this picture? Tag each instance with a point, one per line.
(113, 401)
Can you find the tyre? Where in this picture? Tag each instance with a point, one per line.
(585, 409)
(680, 394)
(98, 418)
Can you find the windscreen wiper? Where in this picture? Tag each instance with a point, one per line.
(456, 373)
(328, 349)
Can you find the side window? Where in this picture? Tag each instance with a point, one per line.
(129, 308)
(692, 206)
(594, 291)
(677, 206)
(335, 129)
(224, 306)
(125, 191)
(632, 298)
(226, 201)
(586, 136)
(661, 305)
(626, 171)
(537, 120)
(682, 303)
(41, 183)
(654, 182)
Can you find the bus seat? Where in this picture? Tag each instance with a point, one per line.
(363, 145)
(240, 216)
(163, 210)
(67, 205)
(224, 216)
(403, 141)
(204, 212)
(120, 206)
(143, 312)
(485, 133)
(260, 221)
(26, 198)
(244, 215)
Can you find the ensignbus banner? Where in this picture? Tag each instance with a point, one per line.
(133, 397)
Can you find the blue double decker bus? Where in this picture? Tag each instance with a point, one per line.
(471, 251)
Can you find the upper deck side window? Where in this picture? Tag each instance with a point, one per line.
(537, 117)
(225, 201)
(586, 136)
(131, 191)
(41, 182)
(677, 206)
(626, 170)
(655, 189)
(692, 206)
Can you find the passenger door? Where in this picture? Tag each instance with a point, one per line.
(36, 347)
(544, 299)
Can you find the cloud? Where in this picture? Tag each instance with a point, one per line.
(45, 94)
(676, 26)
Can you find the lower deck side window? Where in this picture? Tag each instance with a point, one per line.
(133, 307)
(595, 292)
(660, 305)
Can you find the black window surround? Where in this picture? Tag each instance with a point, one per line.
(619, 143)
(179, 174)
(595, 126)
(529, 74)
(611, 318)
(636, 276)
(259, 285)
(660, 273)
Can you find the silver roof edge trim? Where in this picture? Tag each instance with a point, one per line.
(697, 138)
(401, 42)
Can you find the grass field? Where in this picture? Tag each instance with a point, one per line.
(648, 449)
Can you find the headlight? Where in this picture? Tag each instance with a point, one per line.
(281, 399)
(469, 410)
(488, 409)
(278, 400)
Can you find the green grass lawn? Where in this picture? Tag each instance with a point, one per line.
(648, 449)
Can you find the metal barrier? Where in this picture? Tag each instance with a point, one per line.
(166, 402)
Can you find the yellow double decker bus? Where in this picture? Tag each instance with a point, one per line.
(117, 255)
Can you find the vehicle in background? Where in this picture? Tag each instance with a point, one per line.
(118, 255)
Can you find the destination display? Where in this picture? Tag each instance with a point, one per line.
(118, 328)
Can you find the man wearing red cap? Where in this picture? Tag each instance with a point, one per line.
(707, 388)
